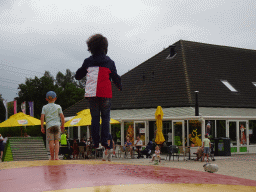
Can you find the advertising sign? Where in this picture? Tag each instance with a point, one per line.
(142, 130)
(23, 122)
(75, 121)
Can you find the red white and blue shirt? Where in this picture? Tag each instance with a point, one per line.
(99, 71)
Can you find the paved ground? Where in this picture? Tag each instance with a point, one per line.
(242, 166)
(236, 173)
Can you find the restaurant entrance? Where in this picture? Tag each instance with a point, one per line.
(178, 133)
(237, 131)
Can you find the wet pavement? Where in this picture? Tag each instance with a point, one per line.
(120, 175)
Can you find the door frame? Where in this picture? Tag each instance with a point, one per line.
(238, 133)
(182, 132)
(134, 129)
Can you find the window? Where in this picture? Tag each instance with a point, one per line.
(170, 57)
(230, 87)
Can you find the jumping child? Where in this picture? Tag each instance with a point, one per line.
(99, 70)
(52, 113)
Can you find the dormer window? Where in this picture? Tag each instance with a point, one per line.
(228, 85)
(172, 52)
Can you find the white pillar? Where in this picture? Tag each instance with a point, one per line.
(147, 133)
(88, 132)
(215, 128)
(79, 133)
(203, 128)
(122, 133)
(188, 133)
(183, 135)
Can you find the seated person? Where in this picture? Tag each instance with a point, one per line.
(128, 147)
(82, 143)
(147, 150)
(138, 144)
(157, 154)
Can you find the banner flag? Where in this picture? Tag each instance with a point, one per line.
(15, 106)
(31, 108)
(23, 107)
(6, 109)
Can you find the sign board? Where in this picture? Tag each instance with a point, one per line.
(23, 122)
(75, 121)
(142, 130)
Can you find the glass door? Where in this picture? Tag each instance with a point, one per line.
(242, 136)
(237, 132)
(140, 130)
(233, 135)
(178, 133)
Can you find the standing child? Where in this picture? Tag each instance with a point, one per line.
(157, 154)
(52, 113)
(206, 147)
(99, 70)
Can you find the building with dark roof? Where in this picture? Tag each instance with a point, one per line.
(226, 81)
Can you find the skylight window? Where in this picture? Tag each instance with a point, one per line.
(254, 83)
(228, 85)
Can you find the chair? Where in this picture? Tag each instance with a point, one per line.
(81, 152)
(172, 150)
(184, 152)
(120, 151)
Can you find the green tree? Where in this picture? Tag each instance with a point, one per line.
(35, 90)
(2, 109)
(65, 86)
(10, 108)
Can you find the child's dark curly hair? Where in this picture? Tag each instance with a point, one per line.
(97, 44)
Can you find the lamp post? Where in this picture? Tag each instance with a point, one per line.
(196, 104)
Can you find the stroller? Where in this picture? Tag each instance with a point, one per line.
(147, 150)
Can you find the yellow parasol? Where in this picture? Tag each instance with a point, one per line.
(20, 119)
(84, 118)
(159, 124)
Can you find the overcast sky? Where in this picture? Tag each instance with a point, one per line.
(51, 34)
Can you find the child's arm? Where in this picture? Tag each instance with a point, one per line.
(82, 71)
(42, 124)
(115, 77)
(62, 122)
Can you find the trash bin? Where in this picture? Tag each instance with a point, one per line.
(222, 146)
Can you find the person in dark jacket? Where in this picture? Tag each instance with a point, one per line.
(147, 150)
(99, 70)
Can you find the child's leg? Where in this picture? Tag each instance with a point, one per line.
(51, 146)
(95, 113)
(50, 138)
(56, 149)
(56, 141)
(105, 104)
